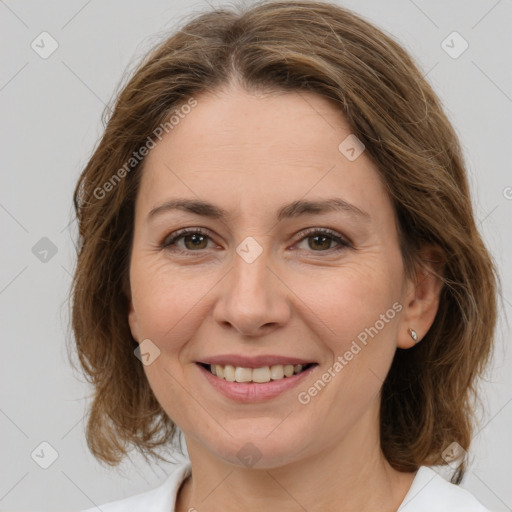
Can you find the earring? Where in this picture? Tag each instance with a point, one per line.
(414, 336)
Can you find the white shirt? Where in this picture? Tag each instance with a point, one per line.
(429, 492)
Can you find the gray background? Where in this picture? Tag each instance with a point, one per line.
(50, 120)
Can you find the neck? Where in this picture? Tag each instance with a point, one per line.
(349, 475)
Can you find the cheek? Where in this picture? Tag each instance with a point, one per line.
(168, 301)
(346, 300)
(359, 307)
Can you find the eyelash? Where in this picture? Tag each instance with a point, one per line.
(309, 233)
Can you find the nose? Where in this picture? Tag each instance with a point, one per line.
(253, 299)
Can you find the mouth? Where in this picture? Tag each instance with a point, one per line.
(259, 375)
(254, 385)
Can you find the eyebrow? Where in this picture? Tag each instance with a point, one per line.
(291, 210)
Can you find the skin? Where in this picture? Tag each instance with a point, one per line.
(250, 154)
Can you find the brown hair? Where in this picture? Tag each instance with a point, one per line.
(428, 396)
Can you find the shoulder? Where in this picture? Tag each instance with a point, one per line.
(160, 499)
(430, 492)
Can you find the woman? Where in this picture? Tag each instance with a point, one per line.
(279, 258)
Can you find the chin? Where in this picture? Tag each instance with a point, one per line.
(256, 448)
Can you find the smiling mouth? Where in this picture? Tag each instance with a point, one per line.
(261, 375)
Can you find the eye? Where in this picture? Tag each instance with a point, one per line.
(194, 239)
(320, 240)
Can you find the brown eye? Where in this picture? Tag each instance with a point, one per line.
(196, 240)
(193, 240)
(320, 240)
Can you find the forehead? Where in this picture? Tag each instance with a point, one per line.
(259, 149)
(273, 126)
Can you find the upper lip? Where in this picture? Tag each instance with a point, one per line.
(253, 362)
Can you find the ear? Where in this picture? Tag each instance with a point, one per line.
(132, 316)
(421, 297)
(133, 321)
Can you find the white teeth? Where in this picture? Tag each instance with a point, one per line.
(277, 371)
(229, 373)
(243, 374)
(288, 370)
(262, 374)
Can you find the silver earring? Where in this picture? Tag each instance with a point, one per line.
(414, 336)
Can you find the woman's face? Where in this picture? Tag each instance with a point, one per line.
(260, 283)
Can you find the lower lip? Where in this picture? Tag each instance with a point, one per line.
(254, 392)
